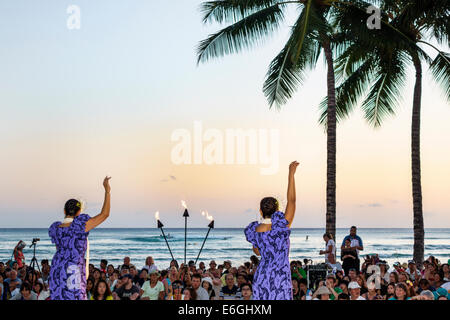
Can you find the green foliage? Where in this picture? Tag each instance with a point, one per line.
(243, 34)
(252, 21)
(440, 68)
(378, 59)
(231, 11)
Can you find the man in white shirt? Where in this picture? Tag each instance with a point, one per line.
(356, 242)
(355, 291)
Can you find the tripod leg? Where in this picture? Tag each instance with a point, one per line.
(32, 269)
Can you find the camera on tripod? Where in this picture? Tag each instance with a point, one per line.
(34, 263)
(35, 240)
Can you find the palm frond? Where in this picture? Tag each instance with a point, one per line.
(289, 67)
(312, 23)
(386, 91)
(349, 92)
(231, 11)
(350, 59)
(440, 29)
(243, 34)
(440, 68)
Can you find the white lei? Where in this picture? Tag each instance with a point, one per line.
(266, 221)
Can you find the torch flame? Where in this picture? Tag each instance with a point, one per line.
(183, 203)
(203, 213)
(157, 215)
(210, 218)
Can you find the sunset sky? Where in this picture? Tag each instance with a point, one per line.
(77, 105)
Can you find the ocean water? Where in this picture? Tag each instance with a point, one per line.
(114, 244)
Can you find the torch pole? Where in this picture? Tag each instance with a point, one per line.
(160, 226)
(211, 226)
(185, 215)
(164, 235)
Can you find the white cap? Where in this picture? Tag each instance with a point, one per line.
(208, 279)
(354, 285)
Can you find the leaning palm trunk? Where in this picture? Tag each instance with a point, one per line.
(419, 233)
(331, 143)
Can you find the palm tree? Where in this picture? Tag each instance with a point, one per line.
(379, 58)
(251, 21)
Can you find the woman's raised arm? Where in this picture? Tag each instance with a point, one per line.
(104, 214)
(291, 195)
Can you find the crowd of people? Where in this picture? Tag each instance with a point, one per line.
(227, 282)
(373, 279)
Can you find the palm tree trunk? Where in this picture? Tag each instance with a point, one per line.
(419, 233)
(331, 143)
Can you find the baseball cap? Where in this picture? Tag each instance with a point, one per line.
(331, 275)
(208, 279)
(126, 276)
(354, 285)
(411, 262)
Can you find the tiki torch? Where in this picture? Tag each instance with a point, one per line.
(210, 226)
(160, 226)
(185, 215)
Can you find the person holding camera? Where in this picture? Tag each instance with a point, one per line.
(68, 272)
(18, 254)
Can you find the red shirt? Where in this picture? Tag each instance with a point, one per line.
(18, 256)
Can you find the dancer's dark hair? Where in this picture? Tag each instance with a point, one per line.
(269, 206)
(72, 207)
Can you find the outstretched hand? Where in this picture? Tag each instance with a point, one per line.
(293, 167)
(106, 184)
(291, 195)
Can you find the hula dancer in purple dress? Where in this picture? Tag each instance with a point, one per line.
(67, 277)
(270, 240)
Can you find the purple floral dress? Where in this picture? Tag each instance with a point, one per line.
(68, 269)
(272, 279)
